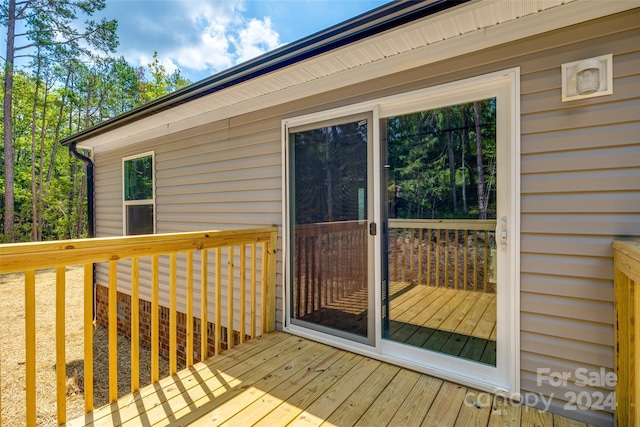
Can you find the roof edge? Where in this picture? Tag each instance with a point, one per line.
(376, 21)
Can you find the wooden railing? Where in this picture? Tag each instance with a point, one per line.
(246, 252)
(626, 264)
(458, 254)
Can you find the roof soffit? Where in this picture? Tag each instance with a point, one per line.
(469, 27)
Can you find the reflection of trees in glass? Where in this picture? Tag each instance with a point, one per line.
(330, 166)
(138, 179)
(442, 162)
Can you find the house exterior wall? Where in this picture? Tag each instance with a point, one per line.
(580, 188)
(204, 181)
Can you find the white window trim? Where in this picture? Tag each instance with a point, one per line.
(504, 85)
(151, 201)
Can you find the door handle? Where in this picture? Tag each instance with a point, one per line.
(503, 232)
(373, 229)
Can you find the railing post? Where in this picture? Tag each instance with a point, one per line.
(30, 346)
(218, 300)
(88, 337)
(230, 285)
(155, 319)
(113, 331)
(254, 250)
(626, 264)
(173, 321)
(243, 289)
(189, 315)
(135, 324)
(622, 348)
(269, 283)
(61, 369)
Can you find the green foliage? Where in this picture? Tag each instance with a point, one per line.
(55, 217)
(50, 25)
(161, 82)
(65, 89)
(433, 162)
(49, 35)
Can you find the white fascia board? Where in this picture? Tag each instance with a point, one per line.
(174, 120)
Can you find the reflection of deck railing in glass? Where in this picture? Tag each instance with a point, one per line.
(455, 254)
(331, 258)
(330, 264)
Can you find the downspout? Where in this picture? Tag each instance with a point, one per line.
(91, 231)
(91, 228)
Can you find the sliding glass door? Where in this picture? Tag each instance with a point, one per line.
(330, 213)
(441, 245)
(402, 229)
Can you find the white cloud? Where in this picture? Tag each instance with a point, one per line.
(255, 39)
(208, 51)
(225, 37)
(220, 13)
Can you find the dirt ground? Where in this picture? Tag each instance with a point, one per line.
(12, 350)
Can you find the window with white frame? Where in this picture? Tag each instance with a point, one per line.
(138, 180)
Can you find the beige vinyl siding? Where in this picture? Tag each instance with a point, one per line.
(204, 181)
(580, 189)
(580, 185)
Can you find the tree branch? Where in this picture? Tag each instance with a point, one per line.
(68, 41)
(27, 46)
(20, 11)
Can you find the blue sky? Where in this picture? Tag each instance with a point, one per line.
(202, 37)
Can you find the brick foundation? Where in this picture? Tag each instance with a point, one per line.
(124, 326)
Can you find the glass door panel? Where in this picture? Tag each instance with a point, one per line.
(330, 211)
(441, 216)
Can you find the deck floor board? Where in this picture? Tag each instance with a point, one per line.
(281, 379)
(452, 321)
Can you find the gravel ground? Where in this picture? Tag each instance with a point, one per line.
(12, 350)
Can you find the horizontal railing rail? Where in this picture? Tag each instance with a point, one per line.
(242, 249)
(458, 254)
(626, 269)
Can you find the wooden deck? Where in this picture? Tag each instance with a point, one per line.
(281, 379)
(458, 311)
(452, 321)
(456, 322)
